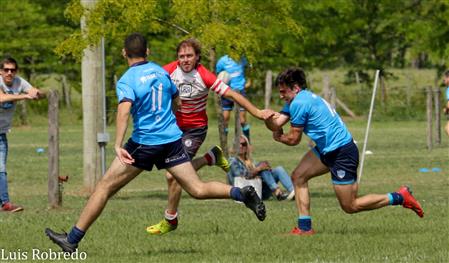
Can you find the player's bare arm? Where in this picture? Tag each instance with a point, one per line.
(123, 111)
(253, 110)
(293, 137)
(176, 104)
(276, 121)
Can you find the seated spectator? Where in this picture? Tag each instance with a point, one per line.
(244, 166)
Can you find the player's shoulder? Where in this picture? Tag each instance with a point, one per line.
(202, 69)
(208, 77)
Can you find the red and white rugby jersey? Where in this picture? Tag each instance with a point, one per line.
(193, 90)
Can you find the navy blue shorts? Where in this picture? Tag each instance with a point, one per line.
(342, 163)
(163, 155)
(192, 139)
(228, 105)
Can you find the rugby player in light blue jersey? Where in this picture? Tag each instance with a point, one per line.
(238, 83)
(446, 108)
(147, 93)
(335, 151)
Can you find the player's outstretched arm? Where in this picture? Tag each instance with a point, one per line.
(276, 121)
(247, 105)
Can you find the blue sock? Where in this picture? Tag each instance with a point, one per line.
(305, 223)
(236, 194)
(226, 130)
(75, 235)
(395, 198)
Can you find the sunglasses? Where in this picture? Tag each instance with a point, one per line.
(243, 144)
(12, 70)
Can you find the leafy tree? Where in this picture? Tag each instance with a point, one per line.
(32, 31)
(429, 31)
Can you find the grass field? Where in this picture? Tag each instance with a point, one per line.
(223, 231)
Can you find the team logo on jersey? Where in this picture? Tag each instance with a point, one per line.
(185, 88)
(188, 143)
(341, 173)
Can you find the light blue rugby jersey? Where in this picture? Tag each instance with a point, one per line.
(447, 93)
(236, 71)
(150, 89)
(320, 122)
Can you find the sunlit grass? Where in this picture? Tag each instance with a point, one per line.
(224, 231)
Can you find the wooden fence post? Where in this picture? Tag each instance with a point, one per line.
(54, 198)
(436, 99)
(429, 117)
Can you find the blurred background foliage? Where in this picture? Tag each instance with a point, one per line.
(407, 39)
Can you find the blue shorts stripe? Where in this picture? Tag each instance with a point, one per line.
(343, 183)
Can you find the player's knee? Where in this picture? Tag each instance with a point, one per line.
(197, 192)
(169, 177)
(105, 188)
(298, 179)
(349, 208)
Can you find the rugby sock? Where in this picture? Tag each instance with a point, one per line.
(305, 223)
(236, 194)
(75, 235)
(395, 198)
(226, 130)
(210, 158)
(245, 130)
(171, 218)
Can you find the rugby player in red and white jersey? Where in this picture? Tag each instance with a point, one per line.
(194, 81)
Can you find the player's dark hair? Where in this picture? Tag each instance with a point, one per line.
(9, 60)
(193, 43)
(290, 77)
(446, 73)
(136, 46)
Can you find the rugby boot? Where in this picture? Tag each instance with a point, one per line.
(298, 232)
(61, 240)
(253, 202)
(161, 228)
(220, 159)
(409, 200)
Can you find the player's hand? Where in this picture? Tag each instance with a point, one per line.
(124, 156)
(267, 113)
(446, 110)
(274, 116)
(277, 135)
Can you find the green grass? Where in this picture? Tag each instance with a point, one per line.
(223, 231)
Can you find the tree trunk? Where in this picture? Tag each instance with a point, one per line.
(66, 92)
(92, 108)
(268, 88)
